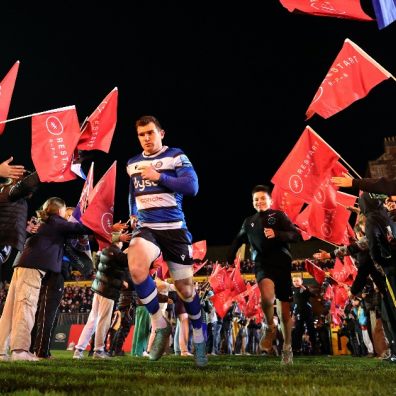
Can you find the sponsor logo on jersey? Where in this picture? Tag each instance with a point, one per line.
(141, 185)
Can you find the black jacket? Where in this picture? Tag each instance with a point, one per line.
(111, 273)
(378, 186)
(14, 210)
(266, 249)
(378, 223)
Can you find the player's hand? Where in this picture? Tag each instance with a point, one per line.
(149, 173)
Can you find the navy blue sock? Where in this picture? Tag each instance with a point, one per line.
(147, 293)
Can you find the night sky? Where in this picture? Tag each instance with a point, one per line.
(230, 85)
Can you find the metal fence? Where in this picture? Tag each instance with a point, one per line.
(72, 318)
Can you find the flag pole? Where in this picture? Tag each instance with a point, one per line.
(338, 155)
(42, 112)
(328, 276)
(84, 124)
(370, 59)
(330, 243)
(346, 163)
(350, 167)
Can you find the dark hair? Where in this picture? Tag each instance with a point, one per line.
(261, 187)
(144, 120)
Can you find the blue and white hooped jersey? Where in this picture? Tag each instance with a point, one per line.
(157, 204)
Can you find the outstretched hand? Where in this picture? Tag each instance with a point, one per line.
(344, 181)
(13, 171)
(119, 227)
(322, 255)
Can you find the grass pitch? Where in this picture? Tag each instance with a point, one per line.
(175, 375)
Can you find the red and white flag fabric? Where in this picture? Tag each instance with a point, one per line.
(329, 223)
(160, 267)
(222, 302)
(326, 193)
(237, 281)
(97, 132)
(302, 223)
(198, 266)
(6, 90)
(286, 201)
(199, 250)
(81, 243)
(350, 9)
(240, 299)
(316, 272)
(306, 166)
(220, 280)
(349, 264)
(55, 134)
(84, 197)
(253, 305)
(351, 77)
(99, 214)
(339, 273)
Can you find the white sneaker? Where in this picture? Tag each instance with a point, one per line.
(23, 355)
(78, 354)
(145, 354)
(100, 355)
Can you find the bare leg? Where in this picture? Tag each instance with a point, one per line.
(283, 309)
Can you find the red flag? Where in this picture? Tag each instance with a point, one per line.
(198, 266)
(238, 283)
(160, 266)
(336, 314)
(199, 250)
(340, 295)
(349, 235)
(55, 134)
(99, 214)
(350, 268)
(81, 243)
(306, 166)
(97, 133)
(351, 77)
(254, 302)
(350, 9)
(241, 301)
(329, 294)
(286, 201)
(330, 223)
(6, 90)
(339, 272)
(318, 274)
(220, 279)
(222, 302)
(85, 193)
(326, 193)
(302, 223)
